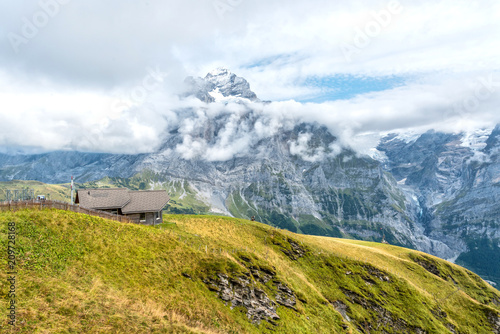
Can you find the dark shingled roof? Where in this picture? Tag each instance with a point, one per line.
(122, 198)
(111, 198)
(146, 201)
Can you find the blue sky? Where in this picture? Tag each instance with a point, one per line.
(345, 87)
(334, 87)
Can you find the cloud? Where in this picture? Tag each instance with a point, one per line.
(220, 132)
(302, 148)
(357, 123)
(84, 120)
(52, 117)
(79, 80)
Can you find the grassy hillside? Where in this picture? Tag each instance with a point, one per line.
(206, 274)
(60, 192)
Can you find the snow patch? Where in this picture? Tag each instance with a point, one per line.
(219, 97)
(219, 71)
(407, 136)
(377, 155)
(476, 140)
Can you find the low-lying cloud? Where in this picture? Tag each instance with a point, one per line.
(80, 79)
(86, 121)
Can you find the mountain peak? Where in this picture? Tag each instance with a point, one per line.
(219, 71)
(220, 84)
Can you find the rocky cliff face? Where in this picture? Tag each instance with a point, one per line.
(455, 181)
(342, 195)
(58, 167)
(436, 192)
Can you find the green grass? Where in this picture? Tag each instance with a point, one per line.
(60, 192)
(83, 274)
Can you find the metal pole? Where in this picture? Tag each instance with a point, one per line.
(72, 201)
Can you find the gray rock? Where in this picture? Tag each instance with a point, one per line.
(220, 81)
(342, 308)
(241, 291)
(285, 295)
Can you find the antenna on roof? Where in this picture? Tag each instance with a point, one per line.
(72, 202)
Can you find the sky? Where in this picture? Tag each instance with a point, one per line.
(104, 76)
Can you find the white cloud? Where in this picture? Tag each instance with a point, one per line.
(61, 89)
(302, 148)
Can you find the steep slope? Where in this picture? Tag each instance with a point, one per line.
(201, 274)
(338, 195)
(456, 179)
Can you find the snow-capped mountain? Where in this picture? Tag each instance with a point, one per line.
(436, 192)
(220, 85)
(454, 180)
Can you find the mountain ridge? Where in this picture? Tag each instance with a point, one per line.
(435, 192)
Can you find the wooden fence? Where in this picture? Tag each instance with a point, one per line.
(35, 204)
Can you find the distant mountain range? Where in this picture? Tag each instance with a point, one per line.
(435, 192)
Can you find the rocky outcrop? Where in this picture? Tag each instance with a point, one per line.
(219, 82)
(342, 308)
(428, 264)
(452, 328)
(284, 295)
(379, 274)
(289, 247)
(383, 317)
(241, 292)
(494, 319)
(229, 85)
(262, 275)
(249, 292)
